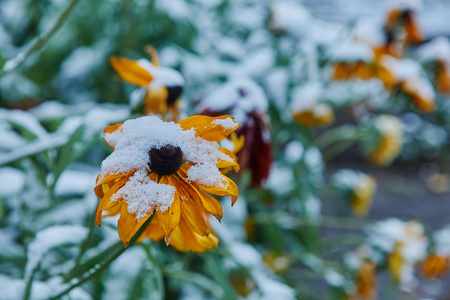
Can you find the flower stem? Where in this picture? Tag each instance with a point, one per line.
(118, 249)
(332, 152)
(289, 221)
(345, 132)
(19, 59)
(198, 279)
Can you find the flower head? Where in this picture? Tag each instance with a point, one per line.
(246, 101)
(366, 282)
(435, 266)
(166, 169)
(359, 188)
(407, 75)
(405, 245)
(402, 21)
(389, 141)
(164, 85)
(306, 108)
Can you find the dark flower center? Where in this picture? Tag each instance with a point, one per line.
(165, 160)
(174, 93)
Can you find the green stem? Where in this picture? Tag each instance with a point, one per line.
(100, 267)
(27, 293)
(332, 152)
(16, 62)
(84, 247)
(157, 268)
(345, 132)
(289, 221)
(198, 279)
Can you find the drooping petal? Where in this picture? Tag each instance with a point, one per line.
(130, 71)
(114, 209)
(227, 164)
(105, 202)
(153, 231)
(192, 210)
(128, 225)
(211, 205)
(170, 218)
(189, 238)
(209, 128)
(208, 242)
(230, 189)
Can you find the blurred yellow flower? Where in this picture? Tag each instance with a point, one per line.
(421, 93)
(396, 261)
(164, 85)
(362, 195)
(167, 169)
(389, 142)
(357, 187)
(278, 263)
(366, 282)
(319, 114)
(407, 251)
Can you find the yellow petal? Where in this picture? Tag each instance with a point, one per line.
(207, 242)
(191, 206)
(106, 202)
(108, 178)
(205, 128)
(111, 129)
(226, 164)
(153, 231)
(189, 238)
(155, 101)
(130, 71)
(230, 189)
(128, 224)
(170, 218)
(211, 205)
(114, 209)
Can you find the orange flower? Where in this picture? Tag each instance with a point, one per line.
(366, 282)
(442, 79)
(318, 115)
(167, 169)
(421, 92)
(351, 70)
(403, 21)
(435, 266)
(307, 109)
(164, 85)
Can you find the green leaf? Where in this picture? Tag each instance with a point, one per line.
(68, 153)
